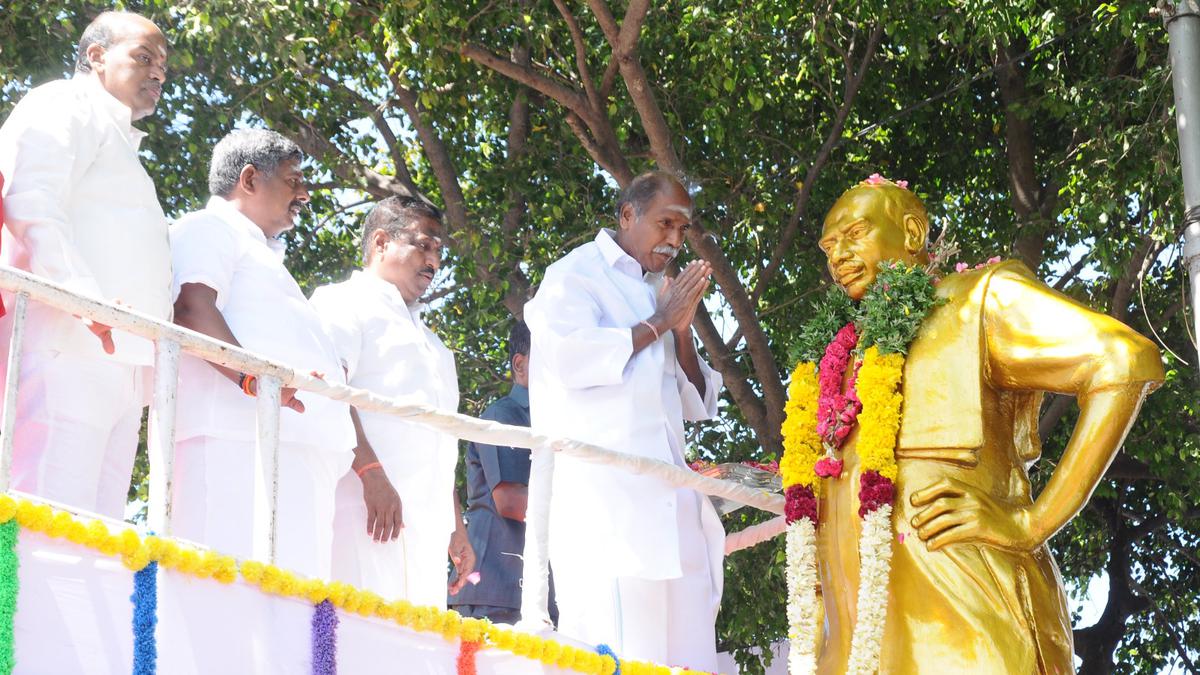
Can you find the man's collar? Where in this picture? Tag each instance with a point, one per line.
(110, 106)
(617, 258)
(519, 394)
(224, 208)
(389, 291)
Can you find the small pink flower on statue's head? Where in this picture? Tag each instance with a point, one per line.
(961, 267)
(993, 260)
(828, 467)
(875, 179)
(902, 184)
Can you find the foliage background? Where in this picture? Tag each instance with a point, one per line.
(1040, 130)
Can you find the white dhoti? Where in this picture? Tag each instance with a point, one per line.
(76, 432)
(666, 621)
(214, 500)
(414, 566)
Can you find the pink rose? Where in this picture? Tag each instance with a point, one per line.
(828, 467)
(961, 267)
(993, 260)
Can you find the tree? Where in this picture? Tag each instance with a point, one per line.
(1034, 129)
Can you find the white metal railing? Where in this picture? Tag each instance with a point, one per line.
(170, 340)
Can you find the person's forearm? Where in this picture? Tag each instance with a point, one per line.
(685, 353)
(364, 454)
(644, 336)
(458, 519)
(1104, 419)
(208, 320)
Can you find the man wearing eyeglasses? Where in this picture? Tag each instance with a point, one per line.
(397, 514)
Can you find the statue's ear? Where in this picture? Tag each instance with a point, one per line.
(915, 231)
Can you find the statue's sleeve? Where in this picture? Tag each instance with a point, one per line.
(1039, 339)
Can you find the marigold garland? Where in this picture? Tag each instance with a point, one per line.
(818, 419)
(138, 552)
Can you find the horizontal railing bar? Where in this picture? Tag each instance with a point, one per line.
(461, 426)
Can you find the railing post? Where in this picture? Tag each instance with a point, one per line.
(160, 438)
(266, 469)
(10, 390)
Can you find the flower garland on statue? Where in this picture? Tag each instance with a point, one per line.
(871, 336)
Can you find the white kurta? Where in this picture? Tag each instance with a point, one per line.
(80, 211)
(216, 429)
(387, 348)
(608, 528)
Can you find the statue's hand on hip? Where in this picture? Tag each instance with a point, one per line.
(957, 513)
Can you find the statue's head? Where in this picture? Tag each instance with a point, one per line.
(873, 221)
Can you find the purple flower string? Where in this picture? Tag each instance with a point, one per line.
(145, 618)
(324, 639)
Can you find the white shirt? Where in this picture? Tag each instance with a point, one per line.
(586, 383)
(81, 211)
(387, 348)
(269, 315)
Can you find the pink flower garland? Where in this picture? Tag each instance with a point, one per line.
(837, 412)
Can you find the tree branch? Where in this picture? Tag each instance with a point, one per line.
(435, 151)
(736, 383)
(316, 144)
(526, 75)
(376, 114)
(589, 87)
(854, 80)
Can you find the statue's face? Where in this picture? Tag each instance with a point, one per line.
(858, 235)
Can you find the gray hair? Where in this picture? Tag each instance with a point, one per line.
(643, 189)
(105, 30)
(263, 149)
(395, 215)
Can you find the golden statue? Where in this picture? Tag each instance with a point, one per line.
(973, 587)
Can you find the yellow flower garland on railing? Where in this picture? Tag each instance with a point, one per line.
(138, 551)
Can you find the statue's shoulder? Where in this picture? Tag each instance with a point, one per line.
(974, 281)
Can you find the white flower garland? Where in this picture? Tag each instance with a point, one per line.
(802, 606)
(875, 563)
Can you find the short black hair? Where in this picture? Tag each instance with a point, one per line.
(263, 149)
(643, 189)
(518, 339)
(395, 215)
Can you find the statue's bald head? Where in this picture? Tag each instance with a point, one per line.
(108, 29)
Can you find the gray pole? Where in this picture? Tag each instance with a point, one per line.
(1182, 19)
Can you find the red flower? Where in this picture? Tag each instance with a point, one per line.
(874, 490)
(800, 503)
(828, 467)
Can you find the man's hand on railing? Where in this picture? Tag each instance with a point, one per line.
(102, 331)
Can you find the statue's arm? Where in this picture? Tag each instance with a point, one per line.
(1039, 340)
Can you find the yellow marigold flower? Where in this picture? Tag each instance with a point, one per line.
(403, 612)
(879, 422)
(252, 571)
(473, 629)
(130, 542)
(801, 445)
(8, 508)
(59, 525)
(451, 625)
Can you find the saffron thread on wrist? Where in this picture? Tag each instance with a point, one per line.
(361, 471)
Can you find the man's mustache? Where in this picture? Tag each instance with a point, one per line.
(667, 250)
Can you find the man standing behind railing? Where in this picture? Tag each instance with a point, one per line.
(397, 511)
(82, 212)
(497, 497)
(637, 562)
(231, 284)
